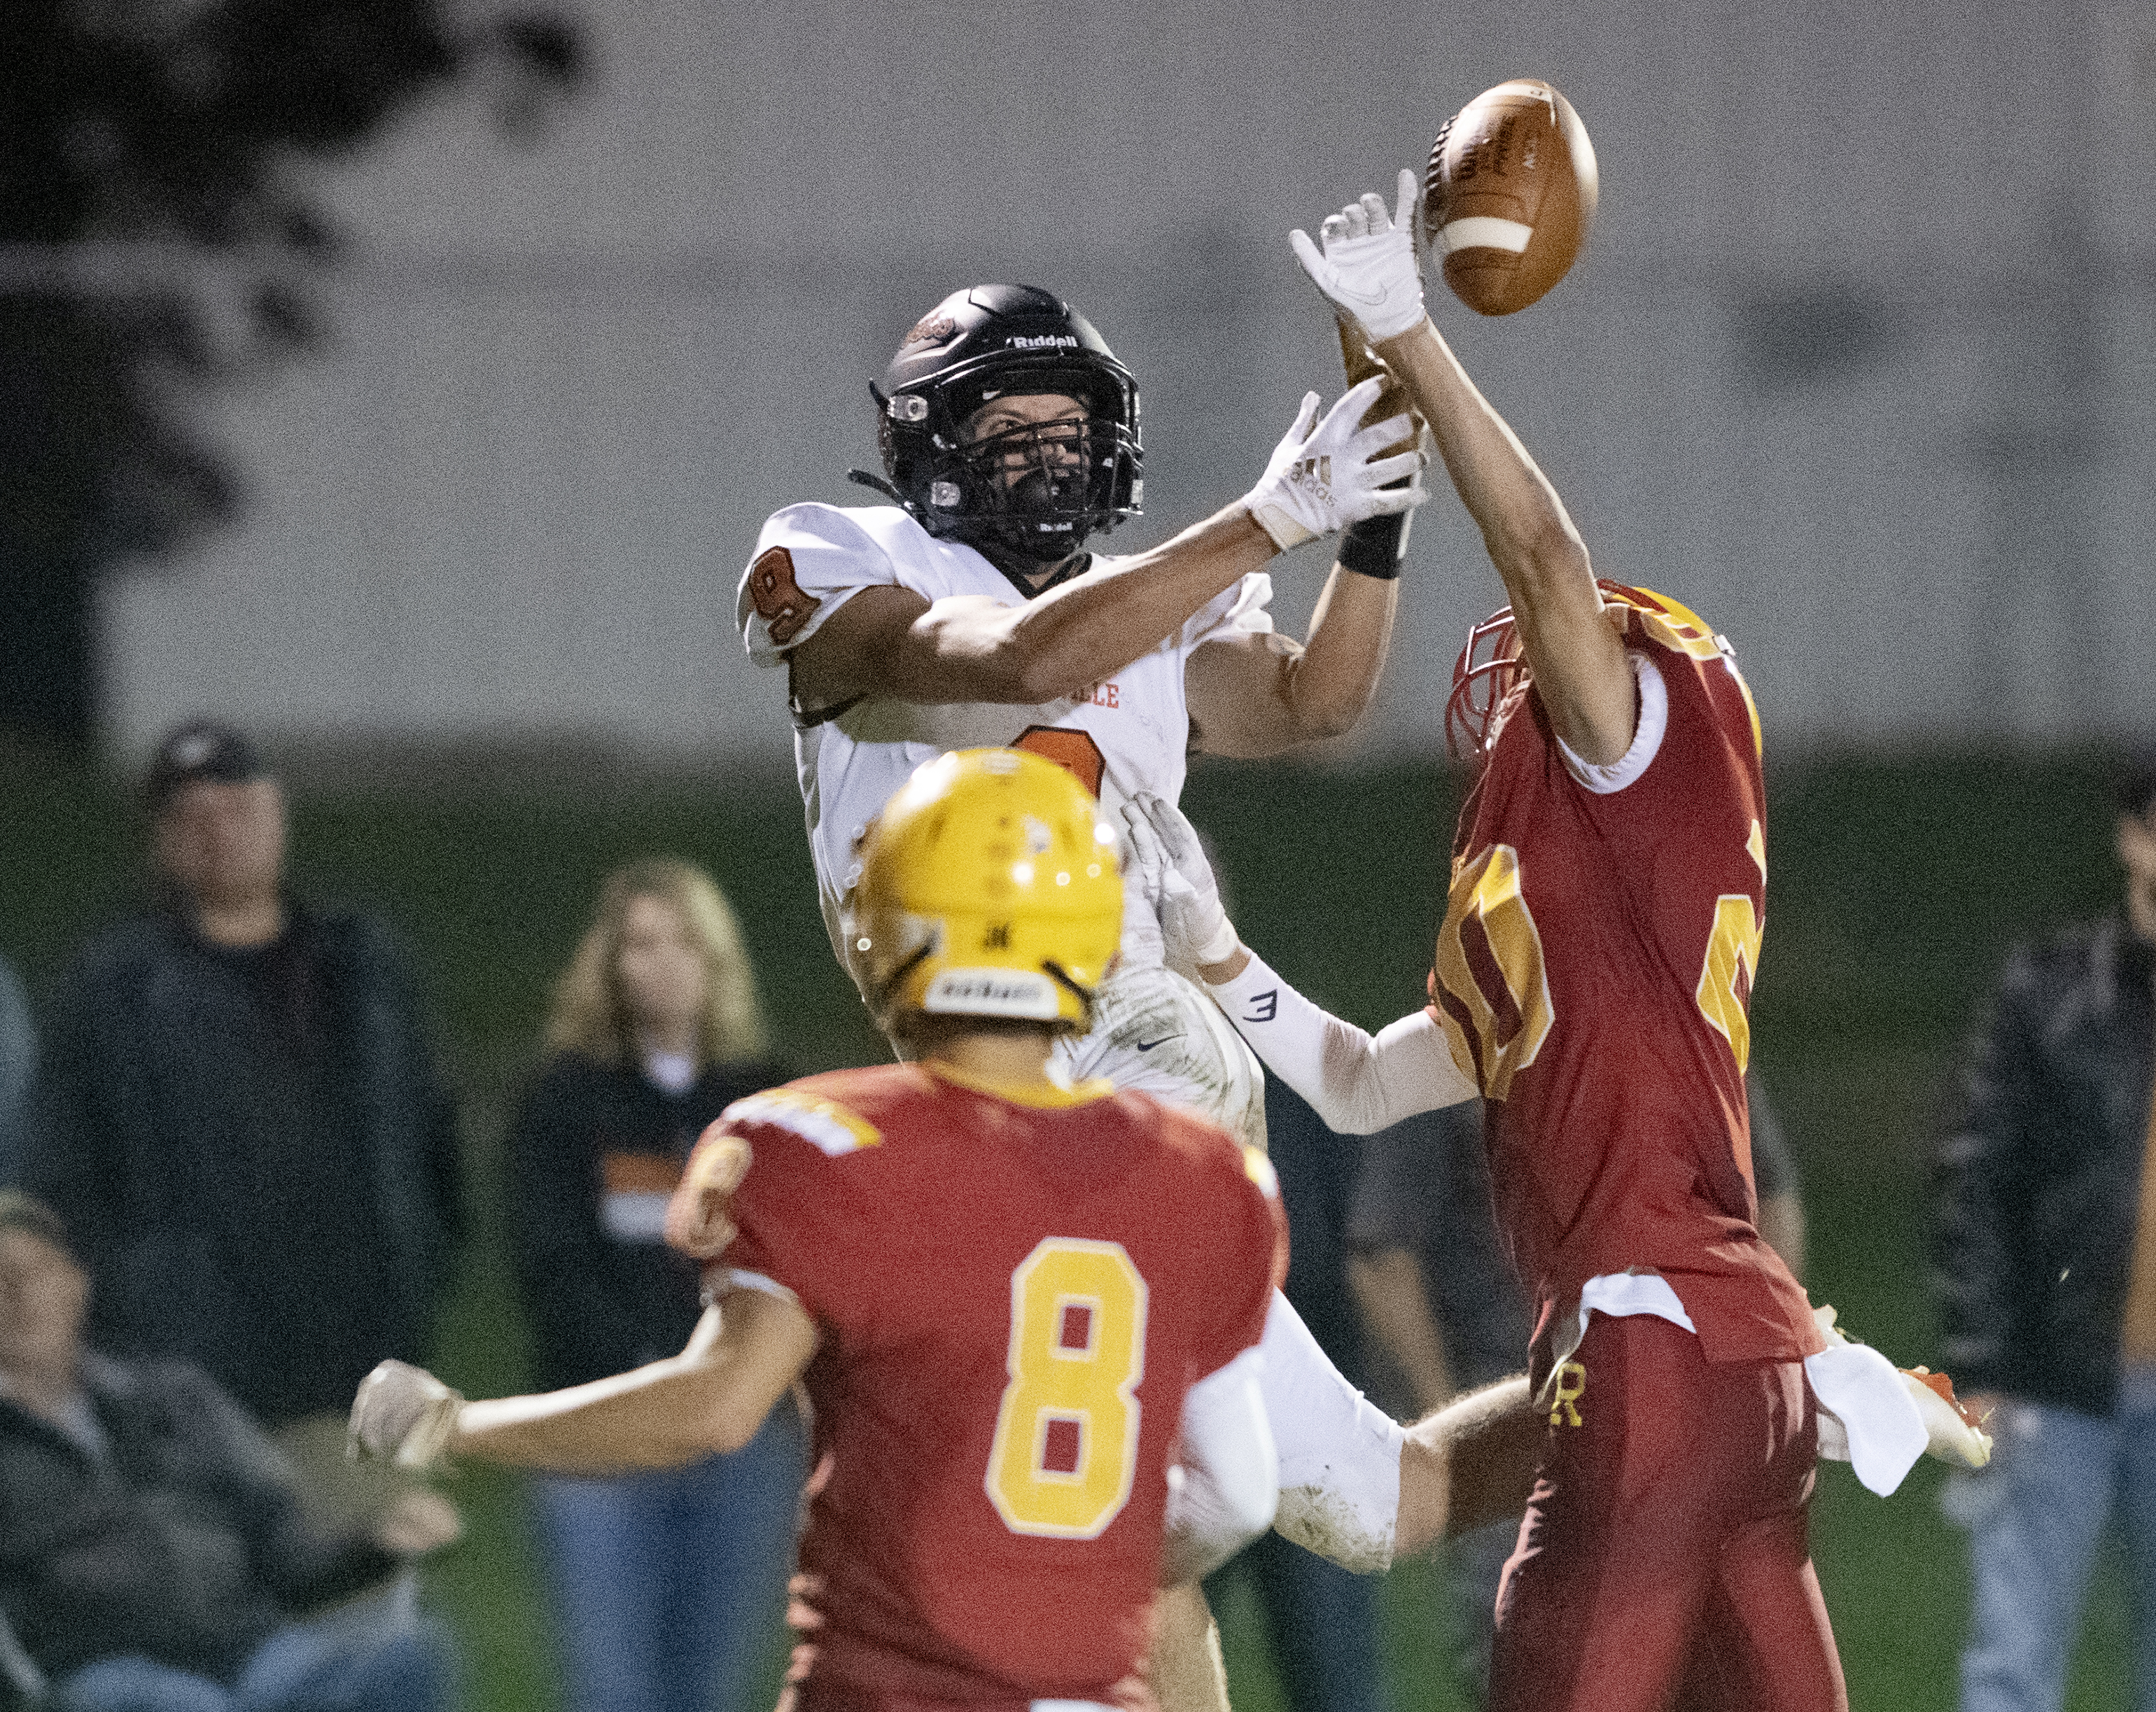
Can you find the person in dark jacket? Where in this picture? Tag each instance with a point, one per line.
(238, 1111)
(2045, 1264)
(668, 1587)
(153, 1554)
(19, 1058)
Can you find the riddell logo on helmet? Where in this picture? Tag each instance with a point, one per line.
(1040, 342)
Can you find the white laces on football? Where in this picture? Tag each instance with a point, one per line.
(1368, 266)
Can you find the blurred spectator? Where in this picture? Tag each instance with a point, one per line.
(1446, 1313)
(670, 1585)
(1774, 1176)
(19, 1058)
(1322, 1619)
(155, 1558)
(238, 1114)
(2045, 1264)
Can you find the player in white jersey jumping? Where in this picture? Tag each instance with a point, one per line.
(968, 613)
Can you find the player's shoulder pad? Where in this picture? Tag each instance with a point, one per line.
(817, 1109)
(1214, 1150)
(882, 531)
(812, 523)
(1648, 617)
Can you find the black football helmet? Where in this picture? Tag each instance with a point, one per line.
(1035, 492)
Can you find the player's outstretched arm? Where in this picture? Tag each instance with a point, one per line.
(1326, 474)
(1254, 694)
(1257, 694)
(1185, 1666)
(1368, 268)
(1472, 1462)
(1358, 1082)
(711, 1398)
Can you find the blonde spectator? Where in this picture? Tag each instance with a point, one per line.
(670, 1586)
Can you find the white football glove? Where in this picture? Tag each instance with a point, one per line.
(1168, 866)
(1322, 478)
(402, 1413)
(1369, 268)
(1949, 1437)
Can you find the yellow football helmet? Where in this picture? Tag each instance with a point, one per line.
(989, 887)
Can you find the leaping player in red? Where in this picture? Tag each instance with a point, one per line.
(1591, 983)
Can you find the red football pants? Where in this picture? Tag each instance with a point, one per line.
(1663, 1561)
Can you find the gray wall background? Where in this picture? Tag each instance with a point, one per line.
(1860, 362)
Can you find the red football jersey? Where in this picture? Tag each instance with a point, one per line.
(1013, 1299)
(1593, 974)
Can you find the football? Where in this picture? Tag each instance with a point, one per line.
(1509, 195)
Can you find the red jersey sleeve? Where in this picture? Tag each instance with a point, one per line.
(1706, 768)
(794, 1223)
(1252, 1254)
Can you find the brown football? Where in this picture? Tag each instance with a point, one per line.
(1509, 195)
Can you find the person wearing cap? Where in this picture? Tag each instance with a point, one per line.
(239, 1115)
(155, 1558)
(2044, 1267)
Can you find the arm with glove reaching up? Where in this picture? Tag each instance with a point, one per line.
(1358, 1082)
(1325, 475)
(1367, 268)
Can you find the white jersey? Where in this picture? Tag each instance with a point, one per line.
(1127, 733)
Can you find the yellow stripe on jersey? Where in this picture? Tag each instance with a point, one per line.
(1260, 1170)
(1733, 949)
(1677, 626)
(1043, 1096)
(824, 1122)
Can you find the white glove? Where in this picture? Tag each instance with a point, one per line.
(1949, 1436)
(1323, 479)
(1168, 866)
(402, 1413)
(1369, 268)
(1953, 1438)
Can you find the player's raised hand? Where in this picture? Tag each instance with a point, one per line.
(1368, 267)
(404, 1414)
(1169, 862)
(1321, 478)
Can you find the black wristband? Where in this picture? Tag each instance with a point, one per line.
(1375, 546)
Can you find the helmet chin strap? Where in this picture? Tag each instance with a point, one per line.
(881, 486)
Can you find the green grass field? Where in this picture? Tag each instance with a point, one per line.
(1895, 887)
